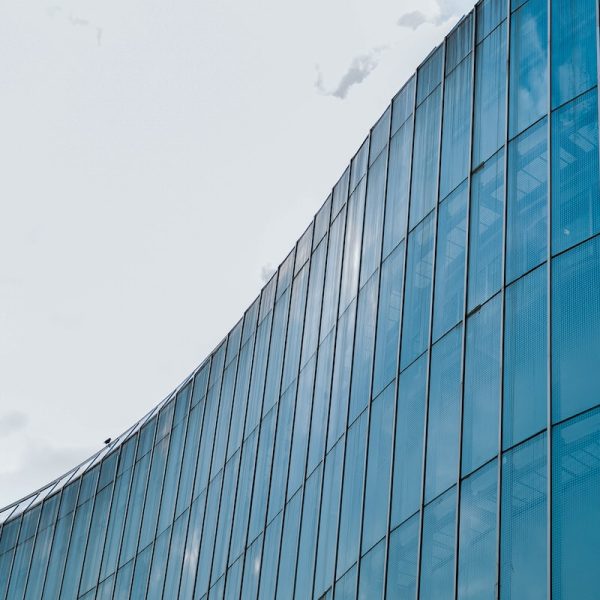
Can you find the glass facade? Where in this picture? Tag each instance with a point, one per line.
(411, 407)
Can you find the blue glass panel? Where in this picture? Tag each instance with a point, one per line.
(396, 203)
(350, 516)
(482, 386)
(208, 535)
(330, 504)
(388, 320)
(477, 561)
(352, 246)
(295, 328)
(331, 290)
(575, 172)
(321, 396)
(525, 357)
(345, 588)
(289, 548)
(429, 74)
(456, 127)
(371, 573)
(252, 569)
(574, 27)
(341, 376)
(402, 104)
(39, 561)
(149, 521)
(176, 552)
(377, 489)
(362, 364)
(134, 510)
(223, 532)
(575, 508)
(444, 414)
(301, 428)
(379, 136)
(417, 295)
(401, 581)
(240, 399)
(359, 165)
(314, 301)
(244, 495)
(18, 574)
(158, 569)
(270, 557)
(303, 249)
(437, 555)
(450, 262)
(259, 370)
(233, 581)
(340, 193)
(281, 453)
(528, 99)
(523, 550)
(192, 548)
(322, 221)
(93, 552)
(410, 426)
(490, 94)
(489, 15)
(262, 476)
(527, 202)
(374, 207)
(123, 582)
(425, 157)
(308, 536)
(276, 351)
(459, 42)
(485, 234)
(285, 274)
(575, 330)
(224, 419)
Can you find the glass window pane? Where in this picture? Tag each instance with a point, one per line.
(444, 414)
(352, 246)
(489, 14)
(425, 157)
(525, 357)
(410, 425)
(402, 561)
(417, 299)
(388, 320)
(362, 364)
(575, 508)
(328, 528)
(289, 548)
(490, 95)
(308, 536)
(377, 489)
(528, 100)
(576, 330)
(524, 515)
(371, 573)
(456, 128)
(575, 173)
(350, 516)
(374, 206)
(527, 202)
(477, 572)
(450, 262)
(396, 204)
(573, 48)
(485, 234)
(482, 386)
(437, 555)
(429, 74)
(402, 105)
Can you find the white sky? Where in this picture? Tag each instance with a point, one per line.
(156, 157)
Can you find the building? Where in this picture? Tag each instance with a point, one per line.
(412, 405)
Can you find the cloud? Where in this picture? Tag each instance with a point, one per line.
(13, 421)
(360, 68)
(53, 11)
(445, 10)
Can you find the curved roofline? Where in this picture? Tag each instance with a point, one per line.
(17, 507)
